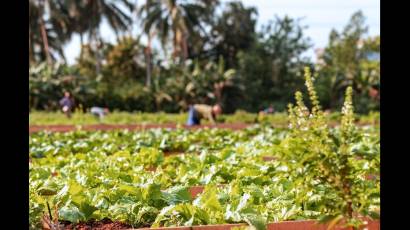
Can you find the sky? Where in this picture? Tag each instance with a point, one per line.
(320, 16)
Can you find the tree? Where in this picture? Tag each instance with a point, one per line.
(274, 64)
(37, 24)
(78, 20)
(48, 30)
(124, 61)
(86, 17)
(179, 18)
(234, 31)
(52, 22)
(368, 81)
(346, 62)
(284, 42)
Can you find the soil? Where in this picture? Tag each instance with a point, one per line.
(305, 225)
(105, 224)
(66, 128)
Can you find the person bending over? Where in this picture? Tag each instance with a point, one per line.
(99, 112)
(198, 112)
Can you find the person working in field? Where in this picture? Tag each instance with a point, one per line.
(201, 111)
(99, 112)
(67, 104)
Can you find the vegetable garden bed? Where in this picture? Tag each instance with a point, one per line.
(54, 156)
(261, 177)
(284, 225)
(67, 128)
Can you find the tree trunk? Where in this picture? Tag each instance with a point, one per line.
(148, 62)
(96, 41)
(176, 43)
(45, 40)
(82, 45)
(184, 47)
(98, 61)
(32, 59)
(175, 30)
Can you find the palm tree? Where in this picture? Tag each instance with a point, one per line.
(52, 22)
(87, 16)
(34, 26)
(179, 17)
(148, 58)
(79, 21)
(48, 28)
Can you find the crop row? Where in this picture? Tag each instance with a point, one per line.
(79, 118)
(96, 175)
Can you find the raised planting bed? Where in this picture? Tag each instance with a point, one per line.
(85, 176)
(283, 225)
(106, 224)
(92, 224)
(67, 128)
(232, 126)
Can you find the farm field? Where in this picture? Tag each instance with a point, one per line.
(203, 115)
(133, 127)
(145, 179)
(309, 170)
(126, 118)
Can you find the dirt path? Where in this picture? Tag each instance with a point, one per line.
(66, 128)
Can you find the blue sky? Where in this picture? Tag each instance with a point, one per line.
(319, 15)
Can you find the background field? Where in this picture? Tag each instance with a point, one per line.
(124, 118)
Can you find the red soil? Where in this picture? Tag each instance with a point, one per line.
(97, 225)
(66, 128)
(284, 225)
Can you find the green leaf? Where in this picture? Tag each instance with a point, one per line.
(47, 191)
(209, 200)
(74, 188)
(87, 209)
(178, 194)
(71, 214)
(134, 191)
(258, 222)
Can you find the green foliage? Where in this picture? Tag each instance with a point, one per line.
(263, 64)
(234, 31)
(329, 158)
(125, 61)
(273, 65)
(48, 83)
(176, 19)
(86, 62)
(123, 118)
(97, 175)
(350, 59)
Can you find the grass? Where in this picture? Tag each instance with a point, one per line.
(122, 118)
